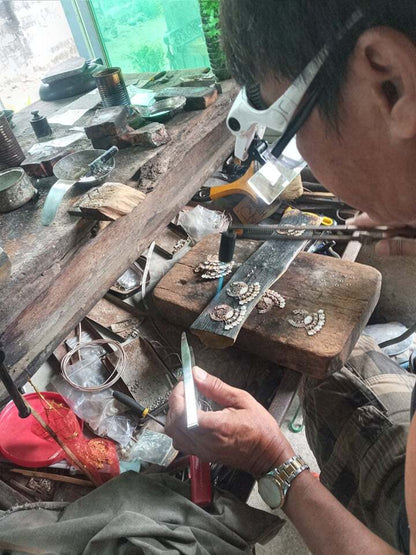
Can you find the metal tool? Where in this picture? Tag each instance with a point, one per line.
(142, 411)
(341, 233)
(88, 167)
(22, 407)
(188, 380)
(238, 187)
(201, 492)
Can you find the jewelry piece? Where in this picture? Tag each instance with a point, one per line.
(291, 232)
(180, 245)
(269, 300)
(313, 322)
(212, 268)
(229, 315)
(243, 292)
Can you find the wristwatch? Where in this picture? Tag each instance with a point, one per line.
(274, 485)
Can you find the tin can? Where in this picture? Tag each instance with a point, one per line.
(111, 86)
(10, 152)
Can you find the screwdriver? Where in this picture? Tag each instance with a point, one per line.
(134, 405)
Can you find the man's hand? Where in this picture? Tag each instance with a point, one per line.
(242, 435)
(387, 247)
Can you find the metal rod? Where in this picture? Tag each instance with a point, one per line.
(22, 407)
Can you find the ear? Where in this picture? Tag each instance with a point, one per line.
(386, 59)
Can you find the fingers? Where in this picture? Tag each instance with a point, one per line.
(397, 247)
(362, 220)
(218, 391)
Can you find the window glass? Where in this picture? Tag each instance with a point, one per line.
(151, 35)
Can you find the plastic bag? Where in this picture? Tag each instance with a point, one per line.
(200, 222)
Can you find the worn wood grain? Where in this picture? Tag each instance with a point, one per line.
(264, 267)
(348, 292)
(30, 330)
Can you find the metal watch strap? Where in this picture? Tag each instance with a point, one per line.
(287, 472)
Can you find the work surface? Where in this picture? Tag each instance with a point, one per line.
(60, 272)
(347, 292)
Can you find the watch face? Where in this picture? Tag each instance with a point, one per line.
(270, 492)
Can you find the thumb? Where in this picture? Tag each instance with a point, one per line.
(396, 247)
(215, 389)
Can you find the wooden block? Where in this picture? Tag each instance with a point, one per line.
(107, 122)
(262, 269)
(149, 136)
(346, 291)
(111, 200)
(197, 98)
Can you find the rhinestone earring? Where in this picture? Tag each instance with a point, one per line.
(229, 315)
(313, 322)
(243, 292)
(212, 268)
(269, 300)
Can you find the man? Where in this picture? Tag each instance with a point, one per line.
(360, 142)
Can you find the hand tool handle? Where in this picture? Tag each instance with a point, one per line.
(227, 246)
(201, 491)
(24, 410)
(129, 402)
(104, 156)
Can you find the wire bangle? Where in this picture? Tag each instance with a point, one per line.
(115, 375)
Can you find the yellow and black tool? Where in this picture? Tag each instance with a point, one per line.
(238, 186)
(135, 406)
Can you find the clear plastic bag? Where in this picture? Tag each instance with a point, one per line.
(200, 222)
(153, 447)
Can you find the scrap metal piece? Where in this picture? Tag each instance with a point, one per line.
(188, 380)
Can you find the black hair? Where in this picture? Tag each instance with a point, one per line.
(282, 36)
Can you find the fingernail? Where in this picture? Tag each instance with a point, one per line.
(383, 248)
(200, 374)
(350, 221)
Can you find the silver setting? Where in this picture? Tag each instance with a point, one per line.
(243, 292)
(230, 316)
(212, 268)
(290, 232)
(269, 300)
(179, 245)
(313, 322)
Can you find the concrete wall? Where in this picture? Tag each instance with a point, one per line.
(34, 36)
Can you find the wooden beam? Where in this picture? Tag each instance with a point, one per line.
(32, 335)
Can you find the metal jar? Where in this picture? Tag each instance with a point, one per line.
(111, 86)
(16, 189)
(10, 152)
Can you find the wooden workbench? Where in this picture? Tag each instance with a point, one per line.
(60, 272)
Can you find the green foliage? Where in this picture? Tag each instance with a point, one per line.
(149, 58)
(210, 14)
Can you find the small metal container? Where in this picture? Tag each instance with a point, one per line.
(111, 86)
(16, 189)
(40, 125)
(10, 152)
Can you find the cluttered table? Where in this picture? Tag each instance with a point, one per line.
(70, 272)
(53, 280)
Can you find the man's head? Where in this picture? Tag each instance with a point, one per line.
(361, 140)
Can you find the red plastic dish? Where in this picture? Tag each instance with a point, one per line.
(19, 444)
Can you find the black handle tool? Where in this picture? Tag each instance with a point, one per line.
(24, 410)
